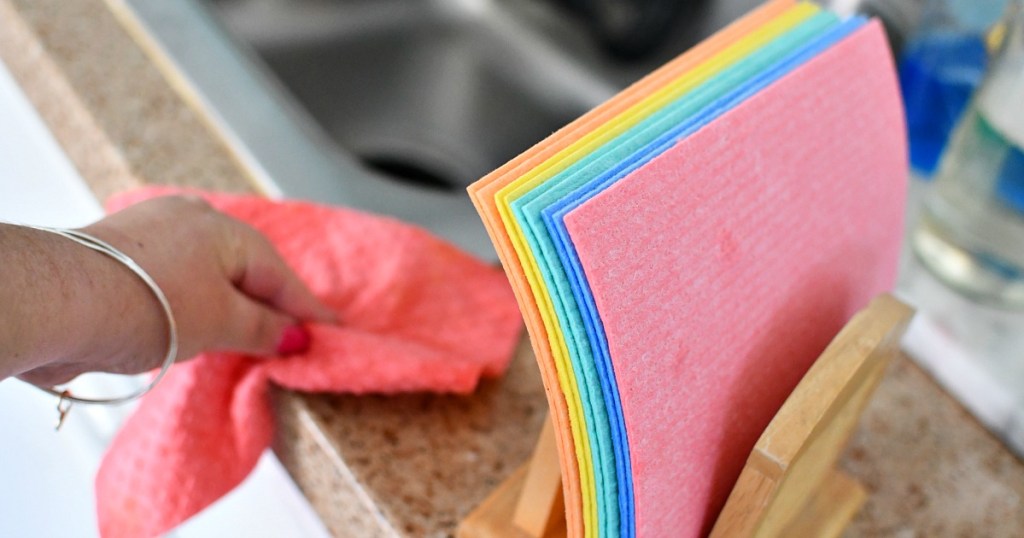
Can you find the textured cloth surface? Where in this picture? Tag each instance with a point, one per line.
(569, 282)
(583, 135)
(416, 314)
(538, 253)
(722, 266)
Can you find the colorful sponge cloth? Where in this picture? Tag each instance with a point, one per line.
(416, 315)
(683, 253)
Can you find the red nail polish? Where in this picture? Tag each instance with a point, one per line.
(294, 339)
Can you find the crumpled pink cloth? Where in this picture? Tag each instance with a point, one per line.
(416, 315)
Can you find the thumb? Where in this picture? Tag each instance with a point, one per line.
(257, 329)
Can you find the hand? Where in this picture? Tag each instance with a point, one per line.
(227, 286)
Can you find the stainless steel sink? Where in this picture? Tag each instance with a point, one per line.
(439, 92)
(393, 106)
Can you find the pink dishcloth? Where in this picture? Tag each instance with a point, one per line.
(416, 315)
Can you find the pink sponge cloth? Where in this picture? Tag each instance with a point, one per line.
(416, 315)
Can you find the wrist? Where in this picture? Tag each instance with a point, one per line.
(133, 335)
(80, 310)
(49, 376)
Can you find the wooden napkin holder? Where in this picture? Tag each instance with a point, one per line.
(789, 485)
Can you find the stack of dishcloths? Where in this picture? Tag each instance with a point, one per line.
(683, 253)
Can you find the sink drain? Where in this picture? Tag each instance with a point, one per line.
(410, 173)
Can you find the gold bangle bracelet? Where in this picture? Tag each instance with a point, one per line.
(65, 398)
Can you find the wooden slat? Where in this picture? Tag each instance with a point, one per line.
(528, 504)
(798, 450)
(541, 504)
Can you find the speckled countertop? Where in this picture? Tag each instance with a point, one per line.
(413, 465)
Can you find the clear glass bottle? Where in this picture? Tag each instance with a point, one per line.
(971, 233)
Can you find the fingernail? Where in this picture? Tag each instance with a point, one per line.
(294, 339)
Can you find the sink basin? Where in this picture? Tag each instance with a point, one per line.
(434, 92)
(393, 106)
